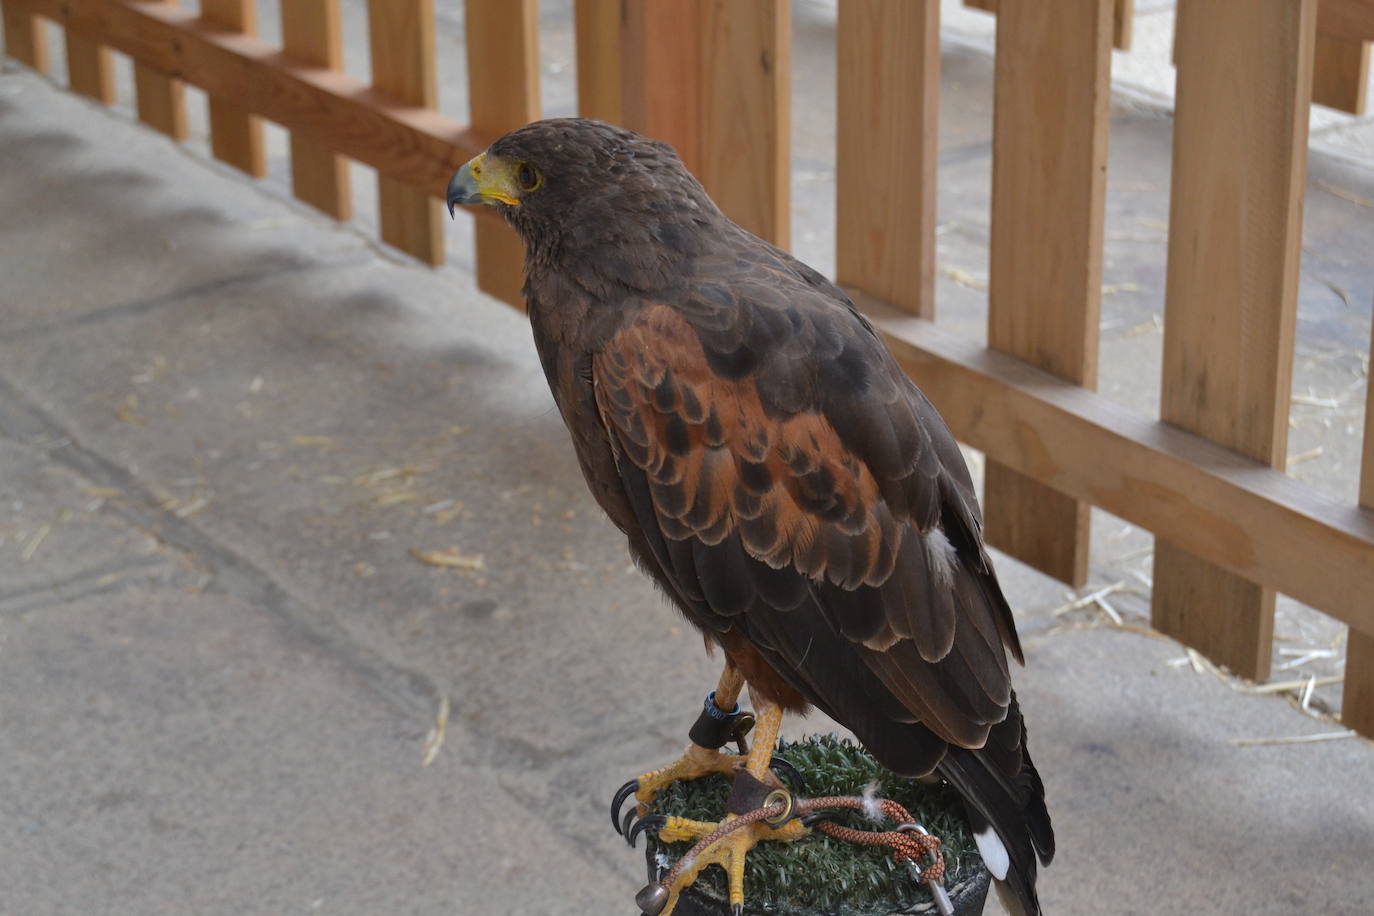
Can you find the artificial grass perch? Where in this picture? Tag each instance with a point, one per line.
(820, 874)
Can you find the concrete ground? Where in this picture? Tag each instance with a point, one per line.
(228, 426)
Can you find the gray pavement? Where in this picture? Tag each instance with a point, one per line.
(227, 425)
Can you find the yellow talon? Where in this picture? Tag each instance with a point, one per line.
(729, 852)
(678, 829)
(696, 761)
(694, 764)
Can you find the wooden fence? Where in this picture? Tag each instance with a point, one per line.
(711, 76)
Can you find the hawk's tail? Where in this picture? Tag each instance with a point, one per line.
(1006, 807)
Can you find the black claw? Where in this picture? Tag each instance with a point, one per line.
(621, 794)
(784, 766)
(651, 822)
(811, 820)
(624, 826)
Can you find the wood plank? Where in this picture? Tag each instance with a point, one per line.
(1352, 19)
(1038, 525)
(888, 125)
(161, 102)
(599, 60)
(1213, 501)
(1340, 77)
(661, 74)
(1123, 12)
(235, 135)
(1235, 235)
(312, 31)
(25, 40)
(415, 145)
(711, 78)
(90, 69)
(1050, 120)
(1367, 461)
(746, 122)
(1357, 702)
(409, 219)
(503, 73)
(401, 37)
(1123, 16)
(1224, 616)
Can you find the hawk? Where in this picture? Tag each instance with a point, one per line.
(777, 474)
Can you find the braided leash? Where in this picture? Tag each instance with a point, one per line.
(909, 842)
(724, 830)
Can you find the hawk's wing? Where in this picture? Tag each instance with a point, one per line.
(800, 475)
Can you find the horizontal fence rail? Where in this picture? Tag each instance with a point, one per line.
(1121, 15)
(409, 143)
(712, 77)
(1238, 513)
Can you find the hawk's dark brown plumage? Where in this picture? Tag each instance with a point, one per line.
(790, 489)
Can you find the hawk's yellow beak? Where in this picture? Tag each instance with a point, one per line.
(483, 180)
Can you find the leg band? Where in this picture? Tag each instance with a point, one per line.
(714, 726)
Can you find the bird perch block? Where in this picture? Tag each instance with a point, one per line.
(819, 875)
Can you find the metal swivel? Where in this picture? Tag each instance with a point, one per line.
(652, 899)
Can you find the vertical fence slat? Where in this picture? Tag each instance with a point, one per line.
(1122, 17)
(746, 120)
(1367, 463)
(25, 40)
(235, 135)
(312, 30)
(1235, 231)
(1123, 12)
(889, 95)
(1340, 74)
(712, 78)
(1357, 702)
(503, 73)
(90, 68)
(401, 38)
(1044, 290)
(161, 100)
(598, 60)
(661, 74)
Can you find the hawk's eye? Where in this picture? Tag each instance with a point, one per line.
(528, 177)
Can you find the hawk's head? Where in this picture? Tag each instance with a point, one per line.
(584, 187)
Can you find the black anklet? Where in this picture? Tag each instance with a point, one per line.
(714, 726)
